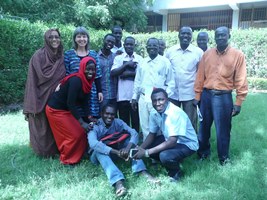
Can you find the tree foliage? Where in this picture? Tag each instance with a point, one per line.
(92, 13)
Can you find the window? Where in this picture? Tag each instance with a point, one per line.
(259, 14)
(246, 15)
(208, 20)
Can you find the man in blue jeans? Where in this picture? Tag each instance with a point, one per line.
(105, 155)
(178, 139)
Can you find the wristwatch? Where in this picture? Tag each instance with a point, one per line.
(146, 153)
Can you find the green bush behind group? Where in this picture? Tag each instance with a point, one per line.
(20, 39)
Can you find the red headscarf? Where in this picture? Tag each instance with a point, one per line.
(86, 84)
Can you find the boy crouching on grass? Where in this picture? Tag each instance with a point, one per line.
(105, 155)
(178, 139)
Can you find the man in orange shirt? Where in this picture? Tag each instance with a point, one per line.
(221, 70)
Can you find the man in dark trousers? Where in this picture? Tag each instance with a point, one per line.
(221, 70)
(124, 68)
(178, 139)
(184, 58)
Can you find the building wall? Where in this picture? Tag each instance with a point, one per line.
(253, 17)
(243, 14)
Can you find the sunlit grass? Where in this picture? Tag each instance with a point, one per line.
(26, 176)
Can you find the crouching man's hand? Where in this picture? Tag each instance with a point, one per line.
(140, 154)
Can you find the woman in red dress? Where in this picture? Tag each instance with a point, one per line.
(68, 127)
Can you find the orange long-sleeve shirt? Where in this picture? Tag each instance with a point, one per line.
(222, 71)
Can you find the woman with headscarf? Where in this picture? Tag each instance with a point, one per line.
(72, 57)
(46, 69)
(67, 124)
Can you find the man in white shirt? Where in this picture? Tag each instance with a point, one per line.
(178, 139)
(184, 59)
(124, 67)
(154, 72)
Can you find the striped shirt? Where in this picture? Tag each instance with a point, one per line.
(72, 64)
(108, 83)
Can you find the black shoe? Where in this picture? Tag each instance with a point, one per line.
(204, 157)
(177, 177)
(225, 161)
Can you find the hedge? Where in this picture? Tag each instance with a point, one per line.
(20, 39)
(257, 83)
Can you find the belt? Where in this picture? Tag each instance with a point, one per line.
(218, 92)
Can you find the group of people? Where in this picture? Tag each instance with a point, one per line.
(76, 98)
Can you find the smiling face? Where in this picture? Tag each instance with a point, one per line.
(90, 70)
(185, 37)
(152, 48)
(81, 40)
(202, 41)
(108, 115)
(159, 102)
(109, 42)
(129, 45)
(54, 39)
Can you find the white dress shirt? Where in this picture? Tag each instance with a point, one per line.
(125, 87)
(156, 73)
(184, 64)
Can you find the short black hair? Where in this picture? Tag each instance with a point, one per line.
(158, 90)
(129, 37)
(186, 27)
(203, 33)
(109, 34)
(153, 38)
(116, 26)
(223, 27)
(108, 105)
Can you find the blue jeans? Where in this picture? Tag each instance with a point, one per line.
(217, 108)
(112, 171)
(170, 158)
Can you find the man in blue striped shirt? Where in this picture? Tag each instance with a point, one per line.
(108, 82)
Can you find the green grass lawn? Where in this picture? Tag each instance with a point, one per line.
(25, 176)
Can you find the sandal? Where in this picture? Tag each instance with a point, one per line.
(120, 189)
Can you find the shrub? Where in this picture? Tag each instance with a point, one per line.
(257, 83)
(20, 39)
